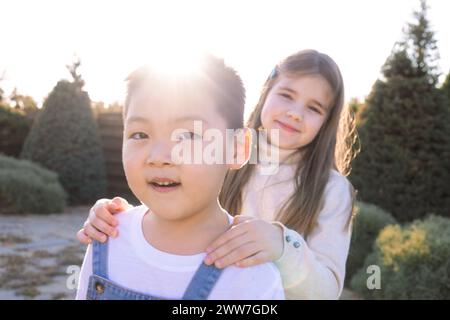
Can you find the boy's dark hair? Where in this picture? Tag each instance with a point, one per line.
(215, 78)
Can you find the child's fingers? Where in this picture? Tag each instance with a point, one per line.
(102, 226)
(245, 251)
(101, 202)
(225, 237)
(258, 258)
(239, 219)
(102, 212)
(121, 204)
(94, 233)
(82, 237)
(226, 248)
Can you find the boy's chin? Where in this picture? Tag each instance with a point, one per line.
(167, 215)
(164, 209)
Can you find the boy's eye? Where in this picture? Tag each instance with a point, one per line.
(188, 136)
(138, 136)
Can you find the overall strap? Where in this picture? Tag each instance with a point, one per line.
(100, 259)
(202, 282)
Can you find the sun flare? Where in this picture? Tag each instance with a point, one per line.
(177, 62)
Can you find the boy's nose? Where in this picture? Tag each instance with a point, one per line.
(160, 155)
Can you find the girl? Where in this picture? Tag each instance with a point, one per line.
(300, 217)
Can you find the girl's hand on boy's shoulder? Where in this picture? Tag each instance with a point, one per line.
(248, 242)
(101, 222)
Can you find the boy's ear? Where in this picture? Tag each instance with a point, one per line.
(242, 148)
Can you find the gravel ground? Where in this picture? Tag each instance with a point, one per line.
(39, 255)
(36, 252)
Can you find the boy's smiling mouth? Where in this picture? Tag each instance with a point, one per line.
(163, 184)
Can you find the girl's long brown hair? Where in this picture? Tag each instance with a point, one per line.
(332, 148)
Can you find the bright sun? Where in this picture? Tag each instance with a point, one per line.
(176, 63)
(170, 53)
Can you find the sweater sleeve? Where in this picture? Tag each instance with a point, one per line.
(315, 269)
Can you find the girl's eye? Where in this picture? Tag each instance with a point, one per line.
(138, 136)
(286, 96)
(315, 110)
(188, 136)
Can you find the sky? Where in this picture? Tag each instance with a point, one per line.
(39, 38)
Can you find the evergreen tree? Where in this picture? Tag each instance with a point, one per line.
(403, 166)
(14, 128)
(22, 102)
(2, 92)
(422, 45)
(64, 138)
(446, 87)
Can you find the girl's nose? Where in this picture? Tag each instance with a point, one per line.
(294, 115)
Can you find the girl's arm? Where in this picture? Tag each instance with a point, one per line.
(315, 269)
(312, 269)
(101, 223)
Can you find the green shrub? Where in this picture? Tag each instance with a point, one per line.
(26, 187)
(14, 128)
(414, 261)
(64, 139)
(369, 220)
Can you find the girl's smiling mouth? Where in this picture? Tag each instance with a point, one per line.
(286, 127)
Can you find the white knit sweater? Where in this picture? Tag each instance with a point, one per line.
(313, 268)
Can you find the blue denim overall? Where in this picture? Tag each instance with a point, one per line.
(101, 288)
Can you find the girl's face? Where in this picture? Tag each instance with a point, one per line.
(297, 106)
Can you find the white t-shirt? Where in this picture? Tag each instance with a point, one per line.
(135, 264)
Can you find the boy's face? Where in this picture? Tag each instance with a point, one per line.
(152, 117)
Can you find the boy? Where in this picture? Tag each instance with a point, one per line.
(160, 252)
